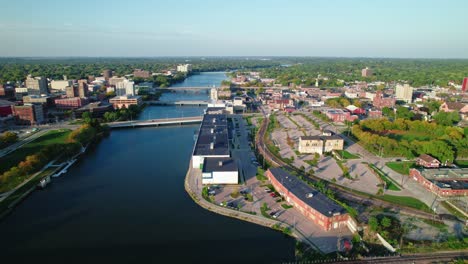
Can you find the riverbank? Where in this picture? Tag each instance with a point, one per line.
(194, 189)
(61, 150)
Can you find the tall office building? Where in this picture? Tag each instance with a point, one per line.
(28, 114)
(71, 91)
(107, 74)
(465, 85)
(404, 93)
(36, 85)
(125, 87)
(366, 72)
(82, 88)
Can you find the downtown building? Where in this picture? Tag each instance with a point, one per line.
(327, 142)
(380, 101)
(184, 68)
(36, 85)
(366, 72)
(126, 101)
(211, 151)
(313, 204)
(28, 114)
(404, 93)
(444, 182)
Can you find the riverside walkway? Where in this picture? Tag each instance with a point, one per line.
(194, 188)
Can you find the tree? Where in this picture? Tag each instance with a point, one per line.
(386, 222)
(87, 117)
(387, 112)
(373, 223)
(405, 113)
(447, 118)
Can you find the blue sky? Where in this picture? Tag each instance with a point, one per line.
(348, 28)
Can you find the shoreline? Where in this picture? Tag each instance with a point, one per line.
(243, 216)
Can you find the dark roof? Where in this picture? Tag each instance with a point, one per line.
(218, 138)
(6, 103)
(311, 138)
(300, 189)
(320, 137)
(331, 137)
(213, 164)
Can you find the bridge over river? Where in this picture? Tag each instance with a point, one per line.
(157, 122)
(179, 103)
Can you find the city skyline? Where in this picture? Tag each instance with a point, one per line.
(420, 29)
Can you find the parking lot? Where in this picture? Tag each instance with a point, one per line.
(261, 194)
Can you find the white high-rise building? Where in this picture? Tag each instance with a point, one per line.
(184, 68)
(214, 94)
(404, 93)
(125, 87)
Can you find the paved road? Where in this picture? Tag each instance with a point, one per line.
(411, 188)
(21, 142)
(344, 193)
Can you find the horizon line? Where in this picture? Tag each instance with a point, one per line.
(230, 56)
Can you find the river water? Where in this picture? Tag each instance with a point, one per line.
(124, 201)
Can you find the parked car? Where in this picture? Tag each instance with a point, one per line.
(272, 213)
(276, 214)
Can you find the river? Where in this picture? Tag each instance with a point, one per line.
(124, 201)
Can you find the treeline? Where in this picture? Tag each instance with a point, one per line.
(86, 134)
(418, 72)
(122, 114)
(33, 163)
(16, 69)
(412, 138)
(7, 139)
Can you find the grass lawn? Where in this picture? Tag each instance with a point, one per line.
(388, 182)
(401, 167)
(346, 155)
(51, 137)
(462, 163)
(406, 201)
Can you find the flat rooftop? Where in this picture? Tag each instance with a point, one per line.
(449, 178)
(301, 190)
(213, 136)
(219, 164)
(321, 137)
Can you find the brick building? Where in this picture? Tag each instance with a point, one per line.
(338, 115)
(380, 101)
(121, 101)
(70, 103)
(138, 73)
(374, 114)
(311, 203)
(366, 72)
(28, 114)
(443, 182)
(427, 161)
(5, 108)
